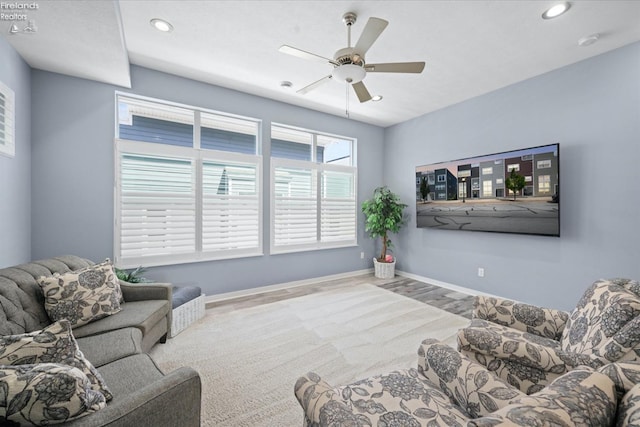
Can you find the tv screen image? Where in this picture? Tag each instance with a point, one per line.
(511, 192)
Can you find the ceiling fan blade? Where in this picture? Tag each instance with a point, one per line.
(305, 55)
(371, 32)
(395, 67)
(314, 85)
(361, 91)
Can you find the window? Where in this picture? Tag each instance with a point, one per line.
(7, 121)
(442, 178)
(515, 166)
(187, 184)
(487, 171)
(487, 189)
(544, 164)
(313, 187)
(499, 181)
(544, 184)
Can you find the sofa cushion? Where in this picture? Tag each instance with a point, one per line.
(46, 393)
(606, 320)
(53, 344)
(110, 346)
(82, 296)
(130, 374)
(143, 315)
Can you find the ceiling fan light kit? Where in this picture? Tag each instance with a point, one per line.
(349, 63)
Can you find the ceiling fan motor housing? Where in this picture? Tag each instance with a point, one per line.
(351, 68)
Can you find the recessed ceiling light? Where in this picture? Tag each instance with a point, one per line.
(376, 98)
(556, 10)
(161, 25)
(286, 84)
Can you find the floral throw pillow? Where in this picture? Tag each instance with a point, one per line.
(53, 344)
(45, 394)
(82, 296)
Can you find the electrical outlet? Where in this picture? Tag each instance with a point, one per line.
(361, 255)
(480, 272)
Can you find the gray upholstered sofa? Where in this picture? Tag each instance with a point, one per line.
(116, 345)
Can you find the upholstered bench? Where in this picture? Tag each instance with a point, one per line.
(187, 305)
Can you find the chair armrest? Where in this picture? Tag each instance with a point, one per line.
(468, 384)
(629, 407)
(313, 393)
(172, 400)
(145, 291)
(625, 375)
(581, 398)
(519, 348)
(545, 322)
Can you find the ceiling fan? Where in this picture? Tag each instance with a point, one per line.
(349, 63)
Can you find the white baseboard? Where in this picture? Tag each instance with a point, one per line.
(443, 284)
(280, 286)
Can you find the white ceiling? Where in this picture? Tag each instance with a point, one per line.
(470, 47)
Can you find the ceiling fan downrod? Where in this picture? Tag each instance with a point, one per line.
(349, 19)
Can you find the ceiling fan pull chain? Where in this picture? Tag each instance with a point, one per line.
(347, 102)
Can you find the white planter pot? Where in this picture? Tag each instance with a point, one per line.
(384, 270)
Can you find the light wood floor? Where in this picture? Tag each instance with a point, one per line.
(446, 299)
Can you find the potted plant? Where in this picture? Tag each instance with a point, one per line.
(384, 214)
(134, 276)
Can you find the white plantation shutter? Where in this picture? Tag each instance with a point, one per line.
(7, 121)
(157, 206)
(295, 206)
(338, 206)
(314, 205)
(231, 207)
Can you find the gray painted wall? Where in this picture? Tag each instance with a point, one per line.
(15, 173)
(73, 131)
(592, 109)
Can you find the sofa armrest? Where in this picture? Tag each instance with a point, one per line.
(545, 322)
(468, 384)
(145, 291)
(173, 400)
(579, 398)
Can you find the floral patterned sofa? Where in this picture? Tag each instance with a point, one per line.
(529, 346)
(449, 389)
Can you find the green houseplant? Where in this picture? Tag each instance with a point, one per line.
(134, 276)
(384, 213)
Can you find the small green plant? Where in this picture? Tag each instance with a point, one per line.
(133, 276)
(384, 214)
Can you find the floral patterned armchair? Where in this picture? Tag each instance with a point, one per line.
(529, 346)
(448, 389)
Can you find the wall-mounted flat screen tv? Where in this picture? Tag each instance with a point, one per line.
(512, 192)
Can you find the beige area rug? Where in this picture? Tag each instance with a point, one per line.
(250, 359)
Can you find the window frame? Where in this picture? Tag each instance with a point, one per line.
(198, 156)
(317, 169)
